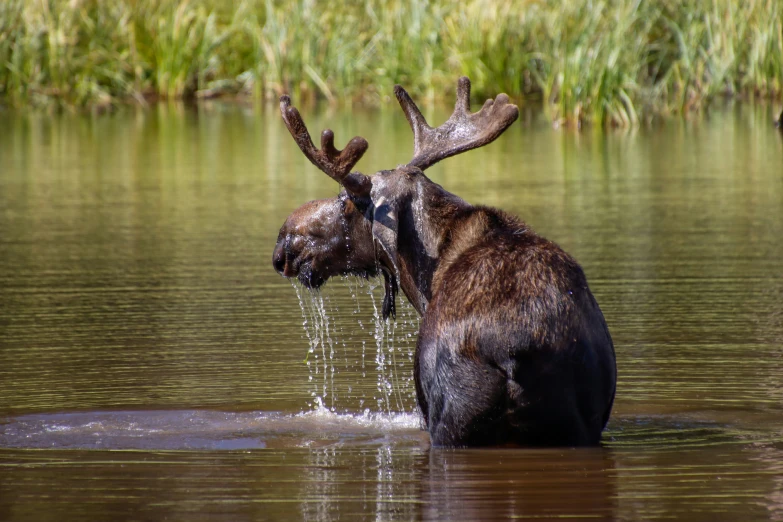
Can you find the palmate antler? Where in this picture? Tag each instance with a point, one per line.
(336, 163)
(463, 131)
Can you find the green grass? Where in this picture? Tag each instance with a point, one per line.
(612, 63)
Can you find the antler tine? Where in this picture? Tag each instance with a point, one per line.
(413, 115)
(463, 96)
(463, 131)
(337, 164)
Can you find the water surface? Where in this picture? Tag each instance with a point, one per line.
(153, 365)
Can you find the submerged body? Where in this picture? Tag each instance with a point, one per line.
(513, 347)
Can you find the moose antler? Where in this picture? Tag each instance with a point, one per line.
(336, 163)
(463, 131)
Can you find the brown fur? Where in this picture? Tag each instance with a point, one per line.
(512, 346)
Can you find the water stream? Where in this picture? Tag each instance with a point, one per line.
(394, 344)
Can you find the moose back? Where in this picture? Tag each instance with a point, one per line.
(513, 348)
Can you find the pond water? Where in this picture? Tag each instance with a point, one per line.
(153, 365)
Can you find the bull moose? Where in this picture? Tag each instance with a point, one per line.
(512, 347)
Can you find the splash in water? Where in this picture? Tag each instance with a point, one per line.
(204, 429)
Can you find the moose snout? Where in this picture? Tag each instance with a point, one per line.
(279, 260)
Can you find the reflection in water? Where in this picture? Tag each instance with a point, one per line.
(317, 503)
(388, 483)
(147, 343)
(772, 459)
(503, 484)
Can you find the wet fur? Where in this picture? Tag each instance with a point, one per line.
(513, 347)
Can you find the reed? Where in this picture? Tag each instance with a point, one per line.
(606, 62)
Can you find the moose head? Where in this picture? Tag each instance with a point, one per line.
(358, 232)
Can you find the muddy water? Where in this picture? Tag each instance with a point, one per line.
(152, 364)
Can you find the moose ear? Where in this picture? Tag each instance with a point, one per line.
(384, 228)
(384, 232)
(390, 294)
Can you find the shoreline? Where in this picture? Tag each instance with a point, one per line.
(533, 112)
(599, 63)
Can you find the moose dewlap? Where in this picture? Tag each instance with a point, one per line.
(513, 348)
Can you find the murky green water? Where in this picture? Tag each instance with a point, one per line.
(152, 364)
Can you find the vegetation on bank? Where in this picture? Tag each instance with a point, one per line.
(601, 61)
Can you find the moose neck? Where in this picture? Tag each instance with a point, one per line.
(424, 227)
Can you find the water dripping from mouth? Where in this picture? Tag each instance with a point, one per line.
(394, 349)
(384, 383)
(320, 346)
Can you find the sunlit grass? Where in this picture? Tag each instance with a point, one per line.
(612, 63)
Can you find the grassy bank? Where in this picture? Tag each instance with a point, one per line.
(606, 62)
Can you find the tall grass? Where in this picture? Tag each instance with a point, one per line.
(607, 62)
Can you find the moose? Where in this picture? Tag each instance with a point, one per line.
(513, 348)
